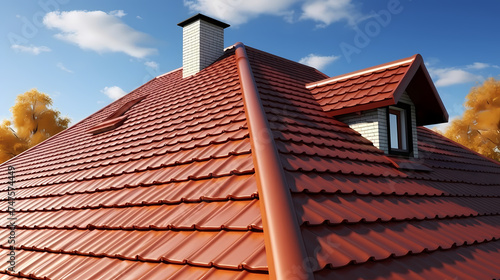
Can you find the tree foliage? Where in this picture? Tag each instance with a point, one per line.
(33, 121)
(479, 127)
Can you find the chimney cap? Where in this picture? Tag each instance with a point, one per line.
(205, 18)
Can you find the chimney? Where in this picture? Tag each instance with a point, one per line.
(202, 43)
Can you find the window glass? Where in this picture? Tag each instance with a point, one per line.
(393, 119)
(397, 129)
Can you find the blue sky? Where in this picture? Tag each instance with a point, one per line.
(86, 53)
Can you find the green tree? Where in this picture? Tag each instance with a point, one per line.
(479, 127)
(33, 121)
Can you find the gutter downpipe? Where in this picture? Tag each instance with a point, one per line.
(285, 249)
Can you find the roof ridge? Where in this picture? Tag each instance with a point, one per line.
(167, 73)
(363, 71)
(283, 238)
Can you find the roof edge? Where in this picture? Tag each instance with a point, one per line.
(415, 78)
(361, 72)
(460, 145)
(167, 73)
(285, 248)
(416, 65)
(434, 90)
(362, 107)
(403, 84)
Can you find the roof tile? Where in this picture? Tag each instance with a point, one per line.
(356, 209)
(172, 192)
(236, 215)
(316, 209)
(146, 197)
(362, 242)
(56, 266)
(381, 86)
(151, 246)
(469, 262)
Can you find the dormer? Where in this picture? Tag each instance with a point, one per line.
(385, 103)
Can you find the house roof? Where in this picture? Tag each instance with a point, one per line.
(215, 174)
(381, 86)
(170, 192)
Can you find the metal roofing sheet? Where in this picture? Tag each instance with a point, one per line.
(172, 192)
(237, 215)
(382, 86)
(360, 89)
(341, 245)
(176, 178)
(478, 261)
(37, 265)
(316, 209)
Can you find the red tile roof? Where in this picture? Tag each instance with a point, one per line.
(169, 193)
(239, 172)
(359, 215)
(381, 86)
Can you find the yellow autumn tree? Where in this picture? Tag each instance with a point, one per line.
(479, 127)
(33, 121)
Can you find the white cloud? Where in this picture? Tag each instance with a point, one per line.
(98, 31)
(481, 65)
(152, 64)
(138, 17)
(240, 11)
(452, 76)
(317, 61)
(118, 13)
(329, 11)
(288, 16)
(478, 65)
(62, 67)
(31, 49)
(113, 92)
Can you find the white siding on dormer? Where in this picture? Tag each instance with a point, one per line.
(366, 123)
(372, 125)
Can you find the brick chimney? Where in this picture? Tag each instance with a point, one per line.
(202, 43)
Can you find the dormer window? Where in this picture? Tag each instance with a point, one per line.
(392, 128)
(399, 129)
